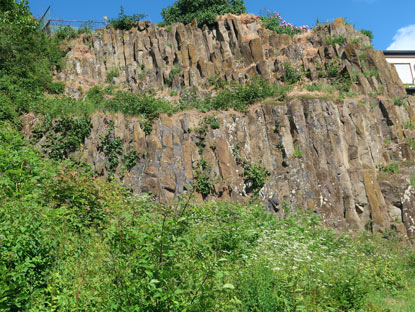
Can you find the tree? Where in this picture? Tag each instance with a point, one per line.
(124, 21)
(205, 11)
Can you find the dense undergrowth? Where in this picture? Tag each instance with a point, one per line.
(72, 242)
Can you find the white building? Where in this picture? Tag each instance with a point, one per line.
(404, 62)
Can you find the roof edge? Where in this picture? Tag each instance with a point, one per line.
(399, 52)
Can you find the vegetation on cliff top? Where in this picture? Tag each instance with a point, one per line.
(204, 11)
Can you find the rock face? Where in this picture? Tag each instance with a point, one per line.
(322, 155)
(350, 160)
(235, 48)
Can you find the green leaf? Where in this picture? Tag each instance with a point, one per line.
(228, 286)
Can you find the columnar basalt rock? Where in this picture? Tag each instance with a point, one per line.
(234, 48)
(322, 154)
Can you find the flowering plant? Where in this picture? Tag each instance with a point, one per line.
(275, 22)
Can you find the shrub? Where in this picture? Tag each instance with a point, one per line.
(66, 33)
(336, 40)
(398, 101)
(240, 96)
(56, 87)
(202, 181)
(205, 11)
(64, 136)
(291, 75)
(367, 33)
(255, 175)
(392, 168)
(125, 22)
(275, 22)
(22, 80)
(111, 74)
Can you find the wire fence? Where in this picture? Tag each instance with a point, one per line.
(51, 26)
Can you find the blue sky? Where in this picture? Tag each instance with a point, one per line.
(392, 22)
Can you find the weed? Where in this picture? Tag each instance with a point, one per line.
(201, 174)
(125, 22)
(255, 176)
(370, 73)
(409, 125)
(392, 168)
(112, 148)
(173, 73)
(367, 33)
(336, 40)
(398, 101)
(131, 159)
(111, 74)
(298, 153)
(291, 75)
(411, 142)
(277, 127)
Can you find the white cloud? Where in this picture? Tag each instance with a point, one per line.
(404, 39)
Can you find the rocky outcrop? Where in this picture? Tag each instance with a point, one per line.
(350, 160)
(330, 157)
(235, 48)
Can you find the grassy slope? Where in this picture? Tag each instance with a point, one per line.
(70, 242)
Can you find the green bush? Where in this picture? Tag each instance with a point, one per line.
(63, 136)
(291, 75)
(256, 176)
(240, 96)
(56, 87)
(336, 40)
(66, 33)
(205, 11)
(22, 80)
(367, 33)
(111, 74)
(125, 22)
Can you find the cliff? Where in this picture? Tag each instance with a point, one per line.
(348, 158)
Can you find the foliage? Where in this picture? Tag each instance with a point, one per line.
(255, 176)
(204, 11)
(66, 33)
(392, 168)
(112, 148)
(63, 136)
(175, 71)
(203, 183)
(240, 96)
(275, 22)
(56, 87)
(340, 39)
(71, 242)
(398, 101)
(298, 153)
(111, 74)
(125, 22)
(131, 159)
(370, 73)
(333, 67)
(23, 81)
(367, 33)
(291, 75)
